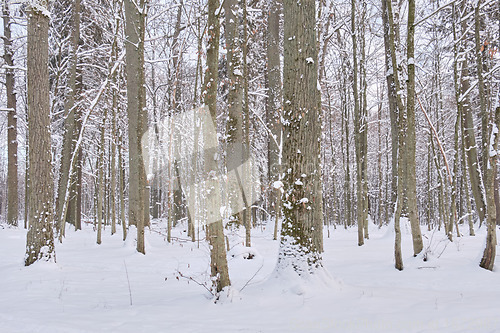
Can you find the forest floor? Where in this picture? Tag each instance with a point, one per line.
(112, 288)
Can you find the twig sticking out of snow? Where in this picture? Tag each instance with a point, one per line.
(128, 281)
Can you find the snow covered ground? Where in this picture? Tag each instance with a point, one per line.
(87, 290)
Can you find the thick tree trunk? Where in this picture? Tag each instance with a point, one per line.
(40, 237)
(12, 190)
(302, 231)
(134, 29)
(215, 229)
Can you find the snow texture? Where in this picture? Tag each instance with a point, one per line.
(358, 290)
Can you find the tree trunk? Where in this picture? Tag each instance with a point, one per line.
(134, 29)
(393, 109)
(10, 83)
(234, 155)
(121, 168)
(245, 175)
(302, 231)
(274, 102)
(469, 140)
(179, 199)
(215, 229)
(488, 260)
(66, 180)
(410, 136)
(482, 91)
(358, 128)
(40, 238)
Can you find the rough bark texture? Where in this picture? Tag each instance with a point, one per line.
(215, 229)
(302, 231)
(40, 238)
(12, 191)
(136, 98)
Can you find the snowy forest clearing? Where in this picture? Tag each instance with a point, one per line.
(87, 290)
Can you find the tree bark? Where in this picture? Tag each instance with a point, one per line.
(302, 231)
(274, 102)
(489, 254)
(218, 260)
(66, 180)
(10, 83)
(40, 237)
(410, 136)
(393, 109)
(136, 107)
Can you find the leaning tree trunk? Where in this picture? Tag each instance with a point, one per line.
(136, 108)
(40, 237)
(215, 229)
(302, 231)
(10, 83)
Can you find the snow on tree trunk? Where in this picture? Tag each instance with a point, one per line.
(302, 231)
(215, 229)
(40, 237)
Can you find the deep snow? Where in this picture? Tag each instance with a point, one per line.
(87, 290)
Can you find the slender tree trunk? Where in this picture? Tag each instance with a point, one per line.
(246, 177)
(179, 200)
(100, 181)
(121, 168)
(475, 174)
(40, 237)
(66, 179)
(215, 229)
(410, 136)
(302, 231)
(481, 90)
(10, 83)
(393, 109)
(134, 29)
(489, 254)
(401, 139)
(274, 102)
